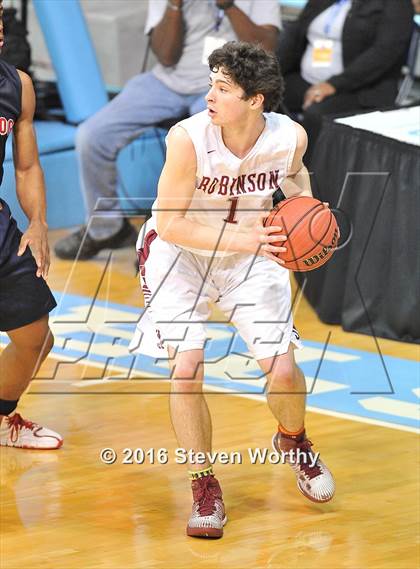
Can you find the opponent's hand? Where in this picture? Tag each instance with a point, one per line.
(317, 93)
(36, 238)
(264, 238)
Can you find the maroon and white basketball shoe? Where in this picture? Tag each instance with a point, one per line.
(18, 432)
(208, 511)
(313, 478)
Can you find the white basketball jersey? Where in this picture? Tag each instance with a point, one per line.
(232, 191)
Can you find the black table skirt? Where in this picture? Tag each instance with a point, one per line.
(372, 284)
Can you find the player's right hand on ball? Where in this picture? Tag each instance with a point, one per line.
(269, 239)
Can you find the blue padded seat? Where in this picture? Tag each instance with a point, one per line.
(82, 92)
(51, 137)
(58, 160)
(139, 166)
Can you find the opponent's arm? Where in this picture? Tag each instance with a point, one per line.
(175, 191)
(30, 180)
(246, 29)
(297, 182)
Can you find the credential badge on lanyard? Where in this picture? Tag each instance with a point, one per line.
(322, 54)
(333, 15)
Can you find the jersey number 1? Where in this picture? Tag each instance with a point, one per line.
(232, 211)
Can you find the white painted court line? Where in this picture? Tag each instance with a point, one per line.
(318, 410)
(255, 397)
(392, 407)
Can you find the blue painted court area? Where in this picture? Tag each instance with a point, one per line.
(360, 385)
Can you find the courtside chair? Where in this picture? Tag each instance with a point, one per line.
(83, 92)
(79, 79)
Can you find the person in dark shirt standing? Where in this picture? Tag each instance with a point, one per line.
(25, 299)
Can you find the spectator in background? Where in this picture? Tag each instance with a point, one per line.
(416, 6)
(183, 33)
(344, 56)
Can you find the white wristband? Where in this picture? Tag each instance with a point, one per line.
(173, 6)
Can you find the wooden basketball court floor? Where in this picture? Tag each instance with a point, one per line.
(66, 509)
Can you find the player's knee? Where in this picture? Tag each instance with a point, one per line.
(187, 370)
(284, 378)
(48, 343)
(44, 343)
(38, 345)
(43, 346)
(187, 378)
(186, 386)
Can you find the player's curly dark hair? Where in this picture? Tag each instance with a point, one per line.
(253, 69)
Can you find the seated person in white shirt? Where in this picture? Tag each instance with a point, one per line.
(182, 33)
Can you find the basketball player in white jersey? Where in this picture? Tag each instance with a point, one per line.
(206, 243)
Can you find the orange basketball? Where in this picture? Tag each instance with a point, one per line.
(311, 229)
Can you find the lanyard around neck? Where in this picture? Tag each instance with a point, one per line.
(219, 19)
(333, 15)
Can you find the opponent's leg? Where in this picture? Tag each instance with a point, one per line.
(286, 396)
(21, 359)
(19, 362)
(192, 425)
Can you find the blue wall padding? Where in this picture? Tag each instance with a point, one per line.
(79, 78)
(139, 166)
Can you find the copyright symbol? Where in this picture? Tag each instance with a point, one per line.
(108, 455)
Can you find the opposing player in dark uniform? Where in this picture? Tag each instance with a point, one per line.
(25, 299)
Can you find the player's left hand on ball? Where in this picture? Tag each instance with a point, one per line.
(36, 238)
(269, 239)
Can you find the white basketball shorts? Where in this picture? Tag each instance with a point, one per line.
(253, 293)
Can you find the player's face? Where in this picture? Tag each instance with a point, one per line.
(225, 100)
(1, 27)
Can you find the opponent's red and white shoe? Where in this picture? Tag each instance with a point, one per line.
(208, 511)
(313, 478)
(18, 432)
